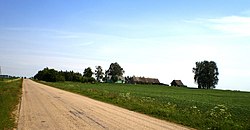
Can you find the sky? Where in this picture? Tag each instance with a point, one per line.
(152, 38)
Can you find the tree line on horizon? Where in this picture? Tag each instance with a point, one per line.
(111, 75)
(205, 74)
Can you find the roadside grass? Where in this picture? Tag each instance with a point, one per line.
(196, 108)
(10, 92)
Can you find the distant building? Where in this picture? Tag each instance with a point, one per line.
(177, 83)
(143, 80)
(120, 80)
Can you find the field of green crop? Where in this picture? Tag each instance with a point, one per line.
(10, 92)
(200, 109)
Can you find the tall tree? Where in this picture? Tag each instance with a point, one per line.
(115, 71)
(206, 74)
(98, 73)
(88, 72)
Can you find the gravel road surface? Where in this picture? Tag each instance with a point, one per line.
(48, 108)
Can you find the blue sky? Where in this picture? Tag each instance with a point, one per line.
(151, 38)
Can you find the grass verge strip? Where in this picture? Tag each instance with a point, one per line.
(10, 93)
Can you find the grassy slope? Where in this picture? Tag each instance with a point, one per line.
(202, 109)
(10, 91)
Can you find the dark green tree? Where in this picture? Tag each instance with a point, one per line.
(87, 76)
(77, 77)
(98, 73)
(206, 74)
(88, 72)
(49, 75)
(52, 75)
(115, 71)
(69, 75)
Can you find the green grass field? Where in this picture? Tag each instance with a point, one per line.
(10, 92)
(201, 109)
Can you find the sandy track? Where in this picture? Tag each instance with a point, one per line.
(44, 107)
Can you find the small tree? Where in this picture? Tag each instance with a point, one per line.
(88, 72)
(115, 71)
(77, 77)
(87, 76)
(99, 73)
(206, 74)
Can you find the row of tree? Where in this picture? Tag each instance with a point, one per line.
(206, 74)
(113, 74)
(52, 75)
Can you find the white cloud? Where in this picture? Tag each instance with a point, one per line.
(232, 20)
(233, 24)
(237, 26)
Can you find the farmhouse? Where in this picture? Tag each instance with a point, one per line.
(143, 80)
(177, 83)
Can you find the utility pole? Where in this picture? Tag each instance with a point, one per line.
(1, 78)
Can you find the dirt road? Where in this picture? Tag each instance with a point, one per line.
(44, 107)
